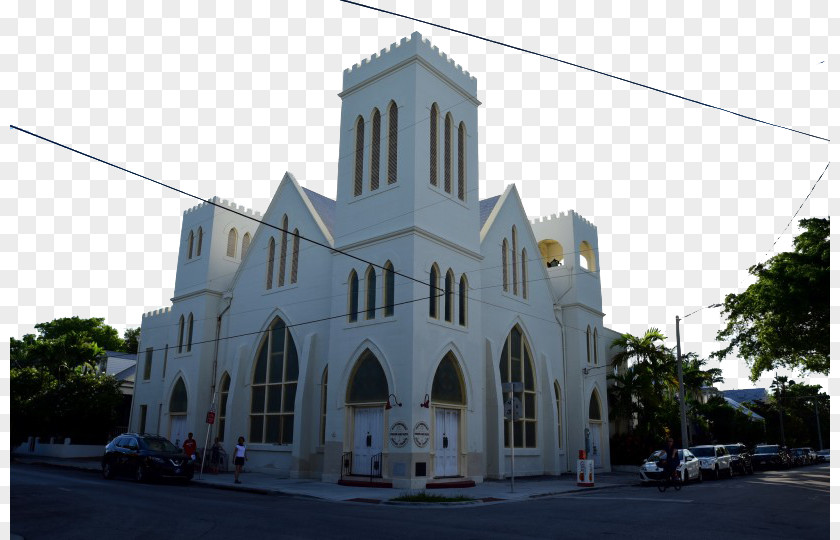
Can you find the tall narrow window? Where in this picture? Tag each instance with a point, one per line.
(388, 289)
(353, 297)
(370, 296)
(448, 293)
(588, 345)
(224, 390)
(295, 250)
(200, 239)
(462, 136)
(462, 301)
(433, 144)
(433, 291)
(524, 273)
(181, 334)
(269, 275)
(147, 366)
(165, 358)
(447, 153)
(392, 143)
(505, 265)
(233, 238)
(246, 243)
(189, 332)
(323, 432)
(143, 413)
(274, 387)
(559, 411)
(281, 276)
(360, 157)
(513, 260)
(374, 149)
(595, 347)
(190, 245)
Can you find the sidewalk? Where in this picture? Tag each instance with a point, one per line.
(491, 491)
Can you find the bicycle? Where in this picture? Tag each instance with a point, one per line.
(675, 480)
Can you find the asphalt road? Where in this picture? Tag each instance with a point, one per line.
(56, 503)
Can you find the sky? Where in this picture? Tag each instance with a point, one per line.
(224, 98)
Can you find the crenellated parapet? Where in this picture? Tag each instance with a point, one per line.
(156, 313)
(215, 202)
(563, 216)
(400, 52)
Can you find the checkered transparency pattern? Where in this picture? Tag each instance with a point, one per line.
(223, 98)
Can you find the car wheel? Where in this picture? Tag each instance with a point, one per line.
(107, 471)
(140, 474)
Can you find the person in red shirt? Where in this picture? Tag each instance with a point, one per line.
(190, 446)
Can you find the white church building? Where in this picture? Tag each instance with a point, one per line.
(385, 348)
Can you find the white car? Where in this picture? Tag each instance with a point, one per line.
(715, 460)
(689, 467)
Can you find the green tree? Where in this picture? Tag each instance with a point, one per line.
(62, 345)
(131, 336)
(782, 319)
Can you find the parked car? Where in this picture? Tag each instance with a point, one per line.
(689, 467)
(715, 460)
(823, 455)
(812, 454)
(800, 456)
(145, 457)
(771, 455)
(741, 458)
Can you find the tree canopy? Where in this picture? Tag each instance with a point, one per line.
(782, 319)
(63, 345)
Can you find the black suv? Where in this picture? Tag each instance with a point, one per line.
(771, 455)
(741, 458)
(145, 457)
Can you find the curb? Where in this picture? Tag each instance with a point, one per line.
(238, 487)
(57, 465)
(580, 490)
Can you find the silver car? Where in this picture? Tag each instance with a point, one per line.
(715, 460)
(689, 467)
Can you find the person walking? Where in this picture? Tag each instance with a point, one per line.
(190, 447)
(240, 456)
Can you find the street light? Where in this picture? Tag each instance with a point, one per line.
(683, 422)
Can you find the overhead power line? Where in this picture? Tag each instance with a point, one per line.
(555, 59)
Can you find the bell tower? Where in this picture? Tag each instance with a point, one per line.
(408, 152)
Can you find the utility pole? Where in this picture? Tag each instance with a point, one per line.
(819, 430)
(781, 410)
(683, 424)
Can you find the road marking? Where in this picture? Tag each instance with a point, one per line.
(646, 499)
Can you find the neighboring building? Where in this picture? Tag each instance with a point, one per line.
(746, 395)
(381, 382)
(122, 366)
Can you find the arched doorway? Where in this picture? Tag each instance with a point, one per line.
(448, 399)
(367, 393)
(593, 439)
(178, 413)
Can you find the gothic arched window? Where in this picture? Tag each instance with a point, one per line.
(375, 124)
(462, 136)
(353, 296)
(393, 129)
(269, 275)
(274, 387)
(515, 366)
(284, 241)
(388, 289)
(433, 144)
(360, 156)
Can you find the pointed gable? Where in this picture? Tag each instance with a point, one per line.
(485, 207)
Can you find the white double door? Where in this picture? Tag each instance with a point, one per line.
(446, 442)
(178, 429)
(367, 438)
(595, 443)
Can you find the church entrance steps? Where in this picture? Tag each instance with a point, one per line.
(447, 483)
(364, 481)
